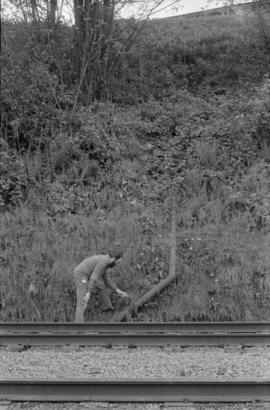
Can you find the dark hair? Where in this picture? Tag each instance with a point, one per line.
(116, 255)
(116, 251)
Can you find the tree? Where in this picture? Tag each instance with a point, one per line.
(95, 38)
(52, 12)
(100, 36)
(94, 22)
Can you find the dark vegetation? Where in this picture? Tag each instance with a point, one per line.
(95, 150)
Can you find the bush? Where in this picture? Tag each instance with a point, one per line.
(31, 90)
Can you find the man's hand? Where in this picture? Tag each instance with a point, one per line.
(122, 294)
(86, 297)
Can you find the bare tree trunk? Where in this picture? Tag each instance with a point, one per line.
(34, 10)
(94, 23)
(79, 34)
(52, 13)
(109, 11)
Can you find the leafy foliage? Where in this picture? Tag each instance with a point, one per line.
(74, 179)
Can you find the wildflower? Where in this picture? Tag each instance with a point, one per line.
(33, 290)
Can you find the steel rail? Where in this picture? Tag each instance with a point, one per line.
(172, 327)
(93, 339)
(194, 390)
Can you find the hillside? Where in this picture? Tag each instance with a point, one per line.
(226, 9)
(188, 120)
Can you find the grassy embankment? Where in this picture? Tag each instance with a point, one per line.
(112, 180)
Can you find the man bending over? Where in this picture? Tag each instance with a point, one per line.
(91, 273)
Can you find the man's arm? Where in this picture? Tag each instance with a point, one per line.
(100, 272)
(114, 288)
(109, 283)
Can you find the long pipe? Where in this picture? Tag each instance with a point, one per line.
(161, 285)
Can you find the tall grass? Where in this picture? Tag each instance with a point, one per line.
(44, 251)
(222, 268)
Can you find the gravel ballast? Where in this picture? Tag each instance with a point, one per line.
(142, 362)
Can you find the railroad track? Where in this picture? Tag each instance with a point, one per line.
(244, 327)
(182, 333)
(180, 390)
(135, 390)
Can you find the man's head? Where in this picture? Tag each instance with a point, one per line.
(115, 254)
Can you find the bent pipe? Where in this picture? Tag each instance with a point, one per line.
(145, 298)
